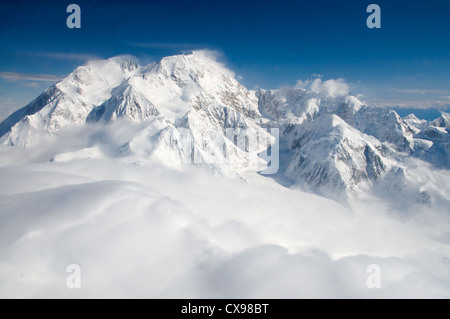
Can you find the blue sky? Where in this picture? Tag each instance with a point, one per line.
(269, 43)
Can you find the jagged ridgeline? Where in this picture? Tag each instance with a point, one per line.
(191, 109)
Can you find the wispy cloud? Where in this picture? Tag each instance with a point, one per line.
(427, 98)
(15, 76)
(30, 84)
(172, 46)
(419, 91)
(402, 103)
(330, 87)
(80, 57)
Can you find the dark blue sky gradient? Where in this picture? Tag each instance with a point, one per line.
(269, 43)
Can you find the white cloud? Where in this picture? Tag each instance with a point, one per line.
(15, 76)
(30, 84)
(173, 46)
(331, 88)
(81, 57)
(419, 91)
(406, 103)
(140, 229)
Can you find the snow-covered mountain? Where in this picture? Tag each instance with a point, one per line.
(191, 109)
(436, 134)
(191, 102)
(339, 147)
(331, 156)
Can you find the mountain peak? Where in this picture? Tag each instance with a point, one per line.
(442, 121)
(196, 65)
(411, 116)
(119, 88)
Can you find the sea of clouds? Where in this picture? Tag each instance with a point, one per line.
(143, 229)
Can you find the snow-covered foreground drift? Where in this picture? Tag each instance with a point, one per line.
(148, 231)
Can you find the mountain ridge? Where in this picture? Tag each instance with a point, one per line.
(195, 111)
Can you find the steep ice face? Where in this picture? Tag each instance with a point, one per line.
(128, 100)
(442, 121)
(415, 123)
(331, 157)
(438, 152)
(67, 103)
(385, 125)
